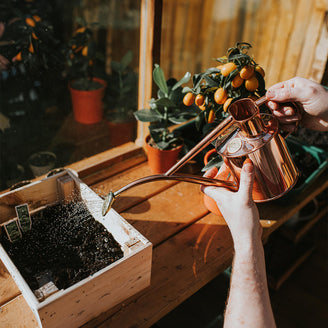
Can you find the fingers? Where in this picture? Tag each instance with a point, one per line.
(283, 91)
(246, 180)
(288, 116)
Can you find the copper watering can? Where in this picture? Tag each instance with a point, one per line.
(245, 133)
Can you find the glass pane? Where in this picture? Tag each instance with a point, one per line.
(51, 53)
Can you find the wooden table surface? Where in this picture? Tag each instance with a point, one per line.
(190, 245)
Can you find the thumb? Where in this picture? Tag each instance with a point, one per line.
(247, 179)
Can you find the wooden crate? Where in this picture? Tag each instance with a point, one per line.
(99, 292)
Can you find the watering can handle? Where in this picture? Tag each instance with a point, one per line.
(263, 100)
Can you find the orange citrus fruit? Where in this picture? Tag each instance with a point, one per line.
(18, 57)
(246, 72)
(36, 18)
(30, 21)
(202, 107)
(188, 99)
(220, 96)
(199, 100)
(252, 84)
(34, 36)
(211, 116)
(80, 30)
(237, 81)
(227, 68)
(260, 70)
(227, 104)
(85, 51)
(30, 48)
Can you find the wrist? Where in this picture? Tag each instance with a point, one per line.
(247, 245)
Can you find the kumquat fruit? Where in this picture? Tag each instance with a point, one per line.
(188, 99)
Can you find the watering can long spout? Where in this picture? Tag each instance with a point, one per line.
(169, 175)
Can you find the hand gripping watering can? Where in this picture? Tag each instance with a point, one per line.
(245, 133)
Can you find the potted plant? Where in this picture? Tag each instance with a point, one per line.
(236, 76)
(42, 162)
(164, 143)
(87, 91)
(121, 101)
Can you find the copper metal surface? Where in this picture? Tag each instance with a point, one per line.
(275, 172)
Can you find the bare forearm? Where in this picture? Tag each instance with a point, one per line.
(249, 302)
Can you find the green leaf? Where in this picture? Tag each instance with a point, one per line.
(163, 102)
(186, 89)
(147, 115)
(126, 60)
(185, 79)
(159, 78)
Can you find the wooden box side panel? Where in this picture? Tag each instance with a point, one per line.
(100, 293)
(122, 231)
(36, 194)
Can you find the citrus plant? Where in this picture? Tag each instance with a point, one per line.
(236, 76)
(168, 109)
(81, 56)
(122, 94)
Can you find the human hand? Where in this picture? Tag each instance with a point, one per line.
(312, 100)
(238, 208)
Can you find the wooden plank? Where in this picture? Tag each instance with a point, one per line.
(320, 55)
(265, 49)
(296, 39)
(280, 41)
(8, 287)
(168, 212)
(132, 196)
(100, 161)
(146, 62)
(36, 194)
(114, 169)
(310, 42)
(296, 234)
(17, 314)
(181, 266)
(277, 212)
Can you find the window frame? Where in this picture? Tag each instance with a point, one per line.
(149, 52)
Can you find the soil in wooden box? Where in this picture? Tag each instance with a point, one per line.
(65, 245)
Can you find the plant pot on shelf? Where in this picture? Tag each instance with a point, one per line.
(122, 127)
(159, 160)
(87, 104)
(222, 174)
(42, 162)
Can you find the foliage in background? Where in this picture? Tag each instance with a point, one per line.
(168, 109)
(122, 93)
(237, 76)
(82, 56)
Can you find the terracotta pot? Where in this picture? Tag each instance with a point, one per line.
(87, 104)
(121, 132)
(223, 174)
(159, 160)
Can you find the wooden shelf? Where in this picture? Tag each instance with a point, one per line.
(284, 257)
(298, 231)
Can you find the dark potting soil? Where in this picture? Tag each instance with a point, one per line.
(65, 245)
(314, 138)
(42, 159)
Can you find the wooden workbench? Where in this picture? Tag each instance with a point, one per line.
(190, 245)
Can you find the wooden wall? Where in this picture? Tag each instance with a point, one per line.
(289, 37)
